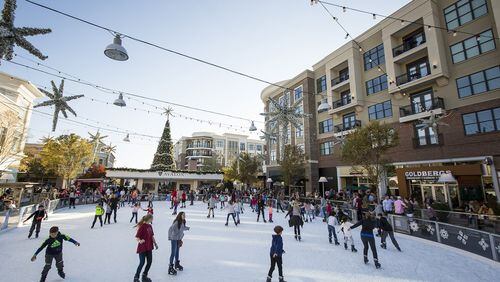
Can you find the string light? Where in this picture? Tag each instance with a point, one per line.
(347, 35)
(374, 16)
(344, 9)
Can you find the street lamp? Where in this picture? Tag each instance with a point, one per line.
(323, 180)
(447, 178)
(115, 50)
(120, 102)
(270, 181)
(324, 106)
(252, 127)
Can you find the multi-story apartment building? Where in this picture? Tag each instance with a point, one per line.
(207, 149)
(16, 103)
(397, 72)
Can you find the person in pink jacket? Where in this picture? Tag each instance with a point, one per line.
(399, 206)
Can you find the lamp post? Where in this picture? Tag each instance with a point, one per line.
(447, 178)
(270, 181)
(323, 180)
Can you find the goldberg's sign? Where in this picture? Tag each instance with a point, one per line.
(425, 174)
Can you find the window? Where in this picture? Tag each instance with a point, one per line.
(349, 121)
(381, 110)
(299, 131)
(233, 145)
(242, 146)
(374, 57)
(344, 74)
(479, 82)
(297, 93)
(426, 136)
(259, 148)
(219, 143)
(326, 148)
(376, 85)
(273, 155)
(321, 84)
(326, 126)
(251, 147)
(464, 11)
(300, 109)
(472, 46)
(482, 121)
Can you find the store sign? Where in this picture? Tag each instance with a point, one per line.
(425, 174)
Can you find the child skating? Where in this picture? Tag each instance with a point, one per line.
(37, 216)
(54, 246)
(99, 211)
(331, 220)
(145, 242)
(270, 212)
(109, 211)
(135, 210)
(345, 227)
(276, 254)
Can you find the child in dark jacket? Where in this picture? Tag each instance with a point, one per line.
(276, 253)
(54, 246)
(37, 216)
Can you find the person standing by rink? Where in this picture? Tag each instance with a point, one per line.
(368, 223)
(175, 235)
(145, 242)
(37, 216)
(54, 246)
(276, 253)
(386, 228)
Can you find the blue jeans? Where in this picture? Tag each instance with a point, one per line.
(238, 216)
(174, 251)
(331, 230)
(145, 256)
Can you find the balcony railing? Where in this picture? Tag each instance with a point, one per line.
(199, 155)
(405, 47)
(435, 103)
(340, 79)
(427, 141)
(347, 126)
(407, 77)
(341, 102)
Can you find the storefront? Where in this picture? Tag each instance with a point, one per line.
(353, 179)
(422, 182)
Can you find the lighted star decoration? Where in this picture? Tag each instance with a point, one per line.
(268, 136)
(168, 112)
(10, 35)
(96, 138)
(46, 139)
(284, 114)
(434, 121)
(60, 102)
(109, 149)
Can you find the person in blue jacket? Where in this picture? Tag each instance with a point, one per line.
(276, 253)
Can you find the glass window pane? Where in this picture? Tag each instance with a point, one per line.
(496, 113)
(449, 16)
(458, 57)
(466, 18)
(492, 73)
(484, 115)
(494, 84)
(487, 45)
(474, 51)
(456, 48)
(464, 92)
(469, 118)
(477, 3)
(471, 42)
(461, 82)
(471, 129)
(487, 126)
(479, 88)
(477, 77)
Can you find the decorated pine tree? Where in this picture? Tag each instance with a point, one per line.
(163, 158)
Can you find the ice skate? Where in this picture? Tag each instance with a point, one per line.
(353, 249)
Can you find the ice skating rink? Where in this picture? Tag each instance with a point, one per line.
(214, 252)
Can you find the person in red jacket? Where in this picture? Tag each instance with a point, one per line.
(183, 199)
(173, 196)
(146, 240)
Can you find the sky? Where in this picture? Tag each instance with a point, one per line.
(271, 39)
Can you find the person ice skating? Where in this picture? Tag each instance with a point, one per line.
(191, 197)
(72, 198)
(295, 219)
(260, 210)
(145, 242)
(212, 204)
(230, 212)
(107, 217)
(149, 210)
(183, 199)
(175, 202)
(276, 254)
(174, 195)
(113, 203)
(99, 211)
(37, 216)
(367, 224)
(135, 210)
(54, 245)
(345, 227)
(150, 200)
(222, 200)
(253, 203)
(270, 211)
(175, 235)
(238, 208)
(386, 228)
(331, 221)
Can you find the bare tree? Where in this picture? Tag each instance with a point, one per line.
(11, 131)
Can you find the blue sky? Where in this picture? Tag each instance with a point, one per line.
(271, 39)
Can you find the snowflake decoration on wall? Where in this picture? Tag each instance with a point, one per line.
(281, 115)
(443, 233)
(462, 237)
(10, 35)
(59, 101)
(483, 244)
(430, 229)
(414, 226)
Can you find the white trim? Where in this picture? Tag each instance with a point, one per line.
(480, 158)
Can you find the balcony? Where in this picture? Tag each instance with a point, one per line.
(406, 46)
(199, 155)
(340, 79)
(406, 77)
(346, 128)
(342, 102)
(419, 111)
(428, 141)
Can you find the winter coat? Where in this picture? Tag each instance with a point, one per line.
(277, 246)
(212, 202)
(345, 227)
(384, 224)
(367, 226)
(175, 233)
(99, 210)
(399, 206)
(230, 208)
(387, 204)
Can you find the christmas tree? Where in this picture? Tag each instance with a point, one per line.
(163, 158)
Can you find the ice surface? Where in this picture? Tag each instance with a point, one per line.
(214, 252)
